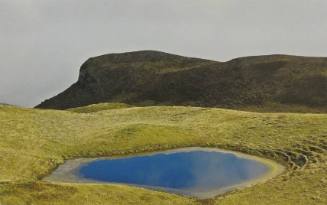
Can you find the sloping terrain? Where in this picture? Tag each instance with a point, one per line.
(33, 142)
(273, 83)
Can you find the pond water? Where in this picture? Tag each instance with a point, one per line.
(199, 172)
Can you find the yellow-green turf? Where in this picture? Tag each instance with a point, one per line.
(34, 142)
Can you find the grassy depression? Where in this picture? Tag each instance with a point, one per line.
(34, 142)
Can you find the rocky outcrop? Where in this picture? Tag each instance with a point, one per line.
(157, 78)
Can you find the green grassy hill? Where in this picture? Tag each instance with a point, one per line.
(33, 142)
(269, 83)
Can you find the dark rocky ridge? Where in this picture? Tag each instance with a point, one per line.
(152, 78)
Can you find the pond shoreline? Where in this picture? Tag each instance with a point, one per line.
(67, 172)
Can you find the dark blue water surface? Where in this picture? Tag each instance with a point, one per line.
(192, 171)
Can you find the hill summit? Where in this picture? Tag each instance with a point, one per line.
(152, 78)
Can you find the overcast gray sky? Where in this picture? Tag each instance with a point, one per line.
(43, 42)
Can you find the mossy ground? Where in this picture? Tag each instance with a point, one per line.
(34, 142)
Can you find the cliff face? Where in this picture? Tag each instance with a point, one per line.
(150, 77)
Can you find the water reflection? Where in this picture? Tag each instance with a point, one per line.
(193, 171)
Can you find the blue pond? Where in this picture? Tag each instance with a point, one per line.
(195, 172)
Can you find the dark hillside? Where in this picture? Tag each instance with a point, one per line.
(150, 78)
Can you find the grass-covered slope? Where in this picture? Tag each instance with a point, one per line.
(99, 107)
(33, 142)
(274, 83)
